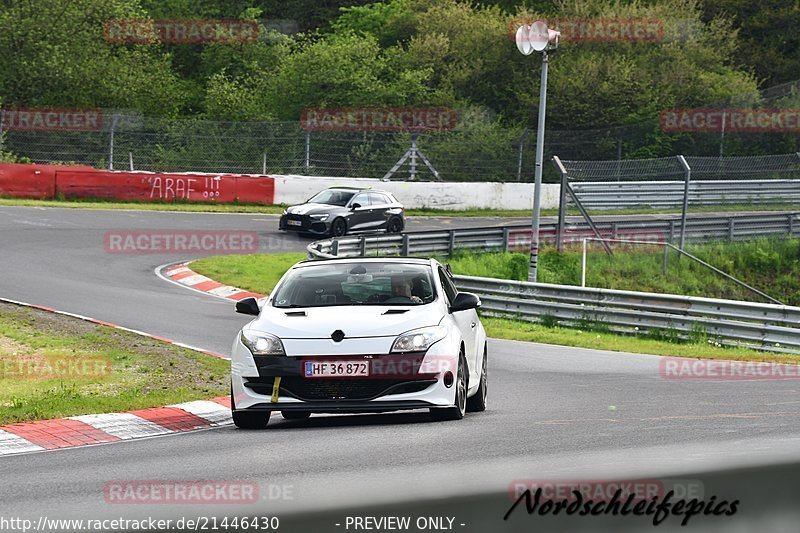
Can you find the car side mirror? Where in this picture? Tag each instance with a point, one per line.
(464, 301)
(355, 206)
(248, 306)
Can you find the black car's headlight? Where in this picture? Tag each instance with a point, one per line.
(262, 343)
(321, 218)
(419, 340)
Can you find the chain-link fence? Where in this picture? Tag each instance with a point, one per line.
(479, 153)
(680, 184)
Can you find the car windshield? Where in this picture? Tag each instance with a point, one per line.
(332, 197)
(356, 284)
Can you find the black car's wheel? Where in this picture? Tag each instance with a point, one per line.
(478, 402)
(295, 415)
(456, 412)
(339, 227)
(395, 225)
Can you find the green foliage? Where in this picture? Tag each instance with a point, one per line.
(54, 54)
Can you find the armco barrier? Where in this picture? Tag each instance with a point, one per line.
(48, 181)
(665, 194)
(758, 325)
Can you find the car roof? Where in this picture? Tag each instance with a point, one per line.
(356, 189)
(338, 260)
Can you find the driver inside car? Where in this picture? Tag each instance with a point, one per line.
(403, 286)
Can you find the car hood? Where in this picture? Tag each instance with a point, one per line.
(311, 208)
(354, 321)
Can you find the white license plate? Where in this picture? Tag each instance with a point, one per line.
(295, 222)
(335, 369)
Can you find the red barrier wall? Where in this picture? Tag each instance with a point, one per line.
(29, 181)
(139, 186)
(46, 181)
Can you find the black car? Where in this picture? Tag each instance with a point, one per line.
(341, 210)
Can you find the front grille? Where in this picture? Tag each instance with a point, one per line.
(349, 389)
(304, 221)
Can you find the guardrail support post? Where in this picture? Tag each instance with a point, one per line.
(335, 247)
(731, 228)
(562, 204)
(688, 172)
(505, 239)
(451, 243)
(664, 263)
(404, 249)
(362, 246)
(791, 225)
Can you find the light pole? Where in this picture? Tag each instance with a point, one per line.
(537, 38)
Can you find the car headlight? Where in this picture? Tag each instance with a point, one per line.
(262, 343)
(320, 217)
(419, 340)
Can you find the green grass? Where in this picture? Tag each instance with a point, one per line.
(501, 328)
(771, 265)
(143, 372)
(256, 272)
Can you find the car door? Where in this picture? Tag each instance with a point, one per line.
(380, 206)
(467, 323)
(359, 218)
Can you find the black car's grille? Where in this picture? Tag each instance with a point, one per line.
(339, 389)
(303, 220)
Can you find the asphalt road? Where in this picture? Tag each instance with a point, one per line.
(549, 414)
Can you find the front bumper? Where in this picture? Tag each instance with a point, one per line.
(397, 382)
(303, 224)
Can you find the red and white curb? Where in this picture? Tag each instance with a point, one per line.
(96, 429)
(184, 275)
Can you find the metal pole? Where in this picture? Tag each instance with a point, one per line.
(664, 263)
(562, 204)
(688, 172)
(111, 142)
(264, 165)
(537, 183)
(308, 151)
(2, 126)
(583, 263)
(521, 148)
(413, 163)
(722, 133)
(130, 160)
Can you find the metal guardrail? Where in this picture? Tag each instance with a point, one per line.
(660, 194)
(444, 242)
(764, 326)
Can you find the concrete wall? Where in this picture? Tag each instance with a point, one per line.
(291, 189)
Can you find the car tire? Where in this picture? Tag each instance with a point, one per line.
(455, 412)
(249, 419)
(477, 402)
(295, 415)
(394, 225)
(339, 228)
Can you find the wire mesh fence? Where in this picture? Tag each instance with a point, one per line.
(679, 184)
(482, 152)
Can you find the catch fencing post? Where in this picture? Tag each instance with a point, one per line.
(130, 160)
(688, 173)
(404, 249)
(308, 151)
(521, 148)
(114, 119)
(562, 204)
(2, 125)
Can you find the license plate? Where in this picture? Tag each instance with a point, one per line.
(336, 369)
(295, 222)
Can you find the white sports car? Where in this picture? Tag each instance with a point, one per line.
(360, 335)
